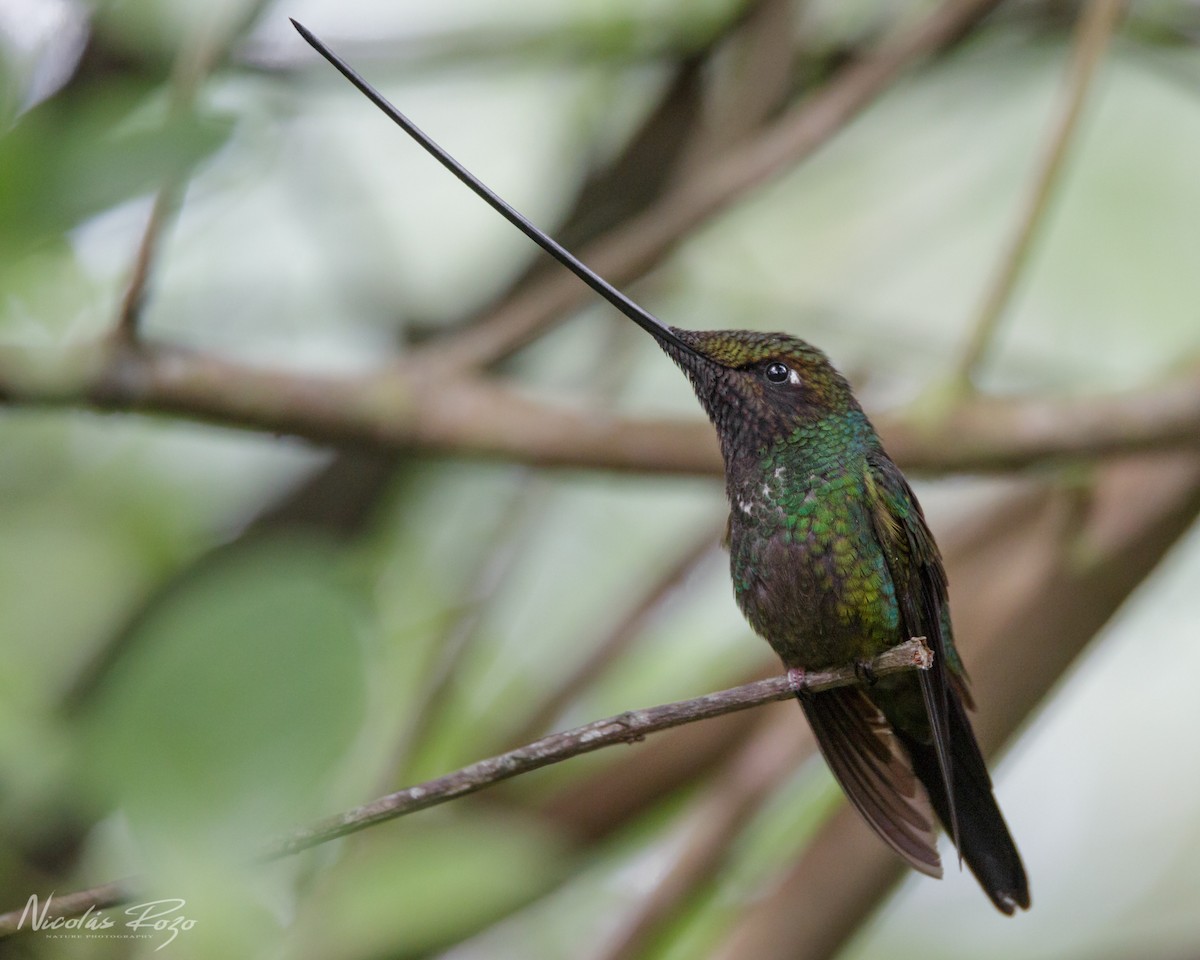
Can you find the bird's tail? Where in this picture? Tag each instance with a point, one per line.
(983, 838)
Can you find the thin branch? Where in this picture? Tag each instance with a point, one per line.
(597, 804)
(632, 249)
(412, 409)
(133, 301)
(194, 62)
(1097, 21)
(627, 727)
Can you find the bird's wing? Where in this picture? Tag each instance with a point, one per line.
(915, 565)
(876, 773)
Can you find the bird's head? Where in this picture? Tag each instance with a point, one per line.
(758, 388)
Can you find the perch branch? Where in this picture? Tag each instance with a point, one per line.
(627, 727)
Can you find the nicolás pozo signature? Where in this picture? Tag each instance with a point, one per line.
(145, 919)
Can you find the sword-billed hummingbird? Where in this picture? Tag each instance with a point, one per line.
(832, 563)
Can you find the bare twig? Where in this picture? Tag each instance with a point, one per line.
(404, 410)
(1096, 23)
(593, 806)
(194, 62)
(630, 250)
(627, 727)
(134, 299)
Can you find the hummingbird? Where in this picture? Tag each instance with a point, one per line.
(832, 563)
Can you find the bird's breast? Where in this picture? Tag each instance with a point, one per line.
(807, 570)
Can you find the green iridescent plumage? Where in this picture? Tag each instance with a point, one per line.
(832, 563)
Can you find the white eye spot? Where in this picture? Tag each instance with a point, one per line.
(746, 508)
(793, 378)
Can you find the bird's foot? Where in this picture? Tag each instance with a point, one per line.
(798, 681)
(865, 672)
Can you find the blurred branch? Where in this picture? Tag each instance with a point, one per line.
(627, 727)
(1043, 577)
(494, 558)
(196, 59)
(627, 184)
(991, 434)
(1097, 21)
(166, 202)
(753, 80)
(409, 408)
(630, 250)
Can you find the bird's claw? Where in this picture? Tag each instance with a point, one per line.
(798, 681)
(865, 672)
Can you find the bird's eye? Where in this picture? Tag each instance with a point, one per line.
(777, 372)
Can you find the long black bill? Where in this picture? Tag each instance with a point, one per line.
(643, 318)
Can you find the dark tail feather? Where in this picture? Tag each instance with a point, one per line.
(876, 773)
(984, 840)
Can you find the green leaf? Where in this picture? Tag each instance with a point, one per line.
(66, 161)
(233, 702)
